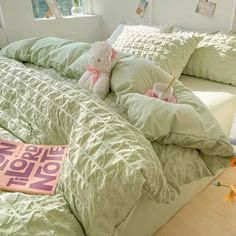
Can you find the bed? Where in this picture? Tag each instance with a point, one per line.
(122, 165)
(221, 99)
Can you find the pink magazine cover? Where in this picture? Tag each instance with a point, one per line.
(30, 168)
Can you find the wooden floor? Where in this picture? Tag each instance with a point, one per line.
(207, 214)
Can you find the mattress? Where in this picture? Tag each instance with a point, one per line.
(221, 100)
(149, 216)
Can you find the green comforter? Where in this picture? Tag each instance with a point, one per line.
(112, 157)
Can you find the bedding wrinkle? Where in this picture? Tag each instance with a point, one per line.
(84, 174)
(117, 150)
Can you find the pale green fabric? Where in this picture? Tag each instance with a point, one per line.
(110, 161)
(5, 134)
(19, 50)
(181, 165)
(128, 78)
(146, 28)
(22, 214)
(171, 51)
(184, 135)
(68, 57)
(188, 123)
(214, 59)
(133, 74)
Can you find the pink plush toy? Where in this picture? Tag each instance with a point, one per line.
(97, 76)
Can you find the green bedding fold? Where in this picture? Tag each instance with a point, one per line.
(184, 135)
(180, 124)
(68, 57)
(151, 145)
(22, 214)
(109, 160)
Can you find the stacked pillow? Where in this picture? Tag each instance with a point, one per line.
(146, 28)
(170, 51)
(214, 59)
(209, 56)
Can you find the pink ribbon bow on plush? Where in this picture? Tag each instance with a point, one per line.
(113, 54)
(94, 71)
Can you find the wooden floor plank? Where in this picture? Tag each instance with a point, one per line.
(207, 214)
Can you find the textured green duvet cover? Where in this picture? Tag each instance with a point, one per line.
(117, 149)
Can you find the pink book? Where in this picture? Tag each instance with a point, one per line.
(30, 168)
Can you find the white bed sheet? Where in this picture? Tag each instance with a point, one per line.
(220, 98)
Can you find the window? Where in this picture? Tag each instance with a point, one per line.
(40, 7)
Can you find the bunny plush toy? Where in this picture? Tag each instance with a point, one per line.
(97, 76)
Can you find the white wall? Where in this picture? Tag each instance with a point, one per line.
(18, 22)
(114, 12)
(170, 12)
(184, 14)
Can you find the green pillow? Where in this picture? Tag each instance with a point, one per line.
(41, 49)
(171, 51)
(19, 50)
(188, 123)
(136, 75)
(67, 57)
(64, 57)
(214, 59)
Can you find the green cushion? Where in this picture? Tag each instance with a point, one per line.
(19, 50)
(214, 59)
(133, 74)
(171, 51)
(65, 57)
